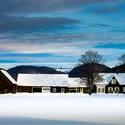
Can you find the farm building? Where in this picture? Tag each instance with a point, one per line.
(59, 83)
(55, 83)
(111, 83)
(45, 83)
(7, 83)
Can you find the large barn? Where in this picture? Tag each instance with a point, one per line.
(7, 83)
(55, 83)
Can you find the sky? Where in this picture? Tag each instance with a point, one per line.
(59, 31)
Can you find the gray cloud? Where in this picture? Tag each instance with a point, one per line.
(11, 23)
(29, 6)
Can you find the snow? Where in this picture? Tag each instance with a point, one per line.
(107, 77)
(42, 79)
(8, 76)
(76, 82)
(120, 77)
(81, 108)
(49, 80)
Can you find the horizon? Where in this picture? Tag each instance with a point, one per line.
(59, 31)
(57, 66)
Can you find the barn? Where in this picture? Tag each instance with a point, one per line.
(49, 83)
(45, 83)
(7, 83)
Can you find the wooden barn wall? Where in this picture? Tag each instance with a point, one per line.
(24, 89)
(5, 85)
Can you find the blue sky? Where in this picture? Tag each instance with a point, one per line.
(59, 31)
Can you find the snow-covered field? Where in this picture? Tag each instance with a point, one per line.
(62, 109)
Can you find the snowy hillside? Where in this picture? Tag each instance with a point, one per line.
(79, 108)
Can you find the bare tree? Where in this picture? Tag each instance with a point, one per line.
(90, 59)
(122, 59)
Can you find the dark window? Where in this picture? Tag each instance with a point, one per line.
(110, 89)
(37, 89)
(62, 90)
(117, 89)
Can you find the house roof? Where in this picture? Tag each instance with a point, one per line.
(107, 77)
(8, 76)
(42, 79)
(120, 78)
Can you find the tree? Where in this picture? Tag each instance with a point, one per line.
(91, 59)
(122, 59)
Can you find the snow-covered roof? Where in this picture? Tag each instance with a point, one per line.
(107, 77)
(8, 76)
(76, 82)
(120, 78)
(42, 79)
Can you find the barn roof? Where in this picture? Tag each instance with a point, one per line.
(42, 79)
(8, 76)
(64, 80)
(107, 77)
(76, 82)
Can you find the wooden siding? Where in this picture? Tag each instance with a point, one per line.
(5, 85)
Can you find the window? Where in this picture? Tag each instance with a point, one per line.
(113, 81)
(54, 90)
(123, 89)
(45, 89)
(62, 90)
(110, 89)
(99, 90)
(117, 89)
(103, 90)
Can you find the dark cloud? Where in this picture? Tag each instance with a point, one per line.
(100, 25)
(11, 23)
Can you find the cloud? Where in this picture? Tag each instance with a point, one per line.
(45, 6)
(24, 24)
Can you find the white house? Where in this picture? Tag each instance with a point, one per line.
(111, 83)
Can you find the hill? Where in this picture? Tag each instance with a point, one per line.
(119, 69)
(82, 69)
(31, 70)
